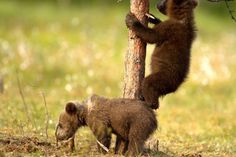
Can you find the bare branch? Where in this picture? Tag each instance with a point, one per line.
(47, 115)
(219, 0)
(23, 97)
(231, 12)
(215, 0)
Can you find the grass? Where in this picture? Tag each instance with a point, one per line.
(69, 52)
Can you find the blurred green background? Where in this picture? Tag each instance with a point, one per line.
(70, 49)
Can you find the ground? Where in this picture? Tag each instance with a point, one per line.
(66, 52)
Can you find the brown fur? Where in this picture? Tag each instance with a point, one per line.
(131, 120)
(171, 57)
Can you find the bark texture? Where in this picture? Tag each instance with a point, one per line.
(136, 54)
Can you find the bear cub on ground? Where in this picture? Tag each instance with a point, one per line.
(132, 121)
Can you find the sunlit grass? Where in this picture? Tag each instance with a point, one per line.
(71, 52)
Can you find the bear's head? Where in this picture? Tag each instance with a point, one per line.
(178, 6)
(70, 120)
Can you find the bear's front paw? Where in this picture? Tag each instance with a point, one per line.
(131, 20)
(152, 19)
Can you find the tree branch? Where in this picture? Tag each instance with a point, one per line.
(231, 12)
(219, 0)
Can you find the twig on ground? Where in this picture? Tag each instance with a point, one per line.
(103, 147)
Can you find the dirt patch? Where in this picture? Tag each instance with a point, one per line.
(25, 145)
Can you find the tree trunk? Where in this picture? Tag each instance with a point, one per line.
(136, 54)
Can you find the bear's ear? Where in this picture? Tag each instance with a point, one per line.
(195, 3)
(71, 108)
(162, 6)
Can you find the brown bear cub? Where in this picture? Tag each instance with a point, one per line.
(171, 57)
(132, 121)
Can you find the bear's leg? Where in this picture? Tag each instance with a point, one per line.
(103, 135)
(135, 147)
(118, 144)
(137, 138)
(121, 145)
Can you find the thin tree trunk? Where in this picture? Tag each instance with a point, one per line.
(1, 84)
(136, 54)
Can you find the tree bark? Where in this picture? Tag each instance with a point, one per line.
(136, 54)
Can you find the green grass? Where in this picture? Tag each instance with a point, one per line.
(73, 51)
